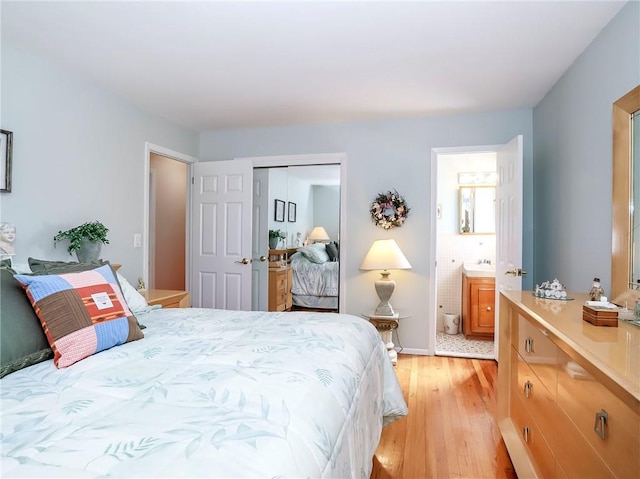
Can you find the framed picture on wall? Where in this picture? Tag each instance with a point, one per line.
(6, 146)
(292, 212)
(279, 215)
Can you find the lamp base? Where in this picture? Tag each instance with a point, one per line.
(384, 288)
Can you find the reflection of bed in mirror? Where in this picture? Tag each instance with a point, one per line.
(315, 272)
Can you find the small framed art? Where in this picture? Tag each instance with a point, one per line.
(279, 214)
(292, 212)
(6, 147)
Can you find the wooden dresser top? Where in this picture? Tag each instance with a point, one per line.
(615, 351)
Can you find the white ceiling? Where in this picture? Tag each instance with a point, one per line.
(212, 65)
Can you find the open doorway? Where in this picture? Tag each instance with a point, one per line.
(168, 194)
(465, 254)
(167, 218)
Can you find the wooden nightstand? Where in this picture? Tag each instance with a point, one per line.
(168, 298)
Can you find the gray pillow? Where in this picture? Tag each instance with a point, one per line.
(22, 339)
(332, 251)
(45, 266)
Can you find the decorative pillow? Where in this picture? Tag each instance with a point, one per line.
(135, 301)
(314, 254)
(81, 313)
(22, 340)
(47, 266)
(332, 251)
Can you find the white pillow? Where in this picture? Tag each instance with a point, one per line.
(315, 255)
(135, 301)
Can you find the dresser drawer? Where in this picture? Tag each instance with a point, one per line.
(537, 448)
(538, 400)
(575, 457)
(537, 350)
(581, 397)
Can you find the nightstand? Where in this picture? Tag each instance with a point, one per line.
(385, 326)
(168, 298)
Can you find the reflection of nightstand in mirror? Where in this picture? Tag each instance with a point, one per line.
(168, 298)
(385, 326)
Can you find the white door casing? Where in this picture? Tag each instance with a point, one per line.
(508, 229)
(508, 221)
(221, 239)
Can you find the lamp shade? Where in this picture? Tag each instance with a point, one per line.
(319, 234)
(385, 254)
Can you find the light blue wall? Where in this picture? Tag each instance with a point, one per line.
(573, 159)
(78, 155)
(382, 155)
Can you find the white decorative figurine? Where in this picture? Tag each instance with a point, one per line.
(596, 291)
(7, 237)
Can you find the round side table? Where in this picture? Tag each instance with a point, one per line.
(385, 326)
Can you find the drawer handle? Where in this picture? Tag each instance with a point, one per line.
(488, 308)
(526, 433)
(527, 389)
(600, 426)
(528, 345)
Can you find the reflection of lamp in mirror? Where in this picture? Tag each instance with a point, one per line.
(318, 235)
(384, 255)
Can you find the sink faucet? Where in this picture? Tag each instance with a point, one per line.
(484, 261)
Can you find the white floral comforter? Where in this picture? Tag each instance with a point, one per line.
(313, 279)
(208, 393)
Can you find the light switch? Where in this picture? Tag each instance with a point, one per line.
(137, 240)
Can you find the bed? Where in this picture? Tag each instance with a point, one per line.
(315, 278)
(207, 393)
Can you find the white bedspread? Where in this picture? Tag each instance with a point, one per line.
(313, 279)
(208, 393)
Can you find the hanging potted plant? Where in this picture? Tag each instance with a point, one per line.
(274, 237)
(86, 240)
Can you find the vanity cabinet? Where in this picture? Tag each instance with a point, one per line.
(568, 391)
(478, 307)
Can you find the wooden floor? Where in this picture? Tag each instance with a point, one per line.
(450, 431)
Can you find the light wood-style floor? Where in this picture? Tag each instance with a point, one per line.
(450, 431)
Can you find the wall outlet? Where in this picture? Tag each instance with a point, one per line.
(137, 240)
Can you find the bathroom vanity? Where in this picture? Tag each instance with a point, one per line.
(478, 301)
(568, 391)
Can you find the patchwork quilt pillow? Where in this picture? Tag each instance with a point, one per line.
(81, 313)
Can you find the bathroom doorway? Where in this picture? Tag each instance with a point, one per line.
(465, 232)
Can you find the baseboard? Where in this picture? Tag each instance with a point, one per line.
(418, 352)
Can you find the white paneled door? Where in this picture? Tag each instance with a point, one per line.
(509, 221)
(221, 240)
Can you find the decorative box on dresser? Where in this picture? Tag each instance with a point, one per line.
(568, 391)
(280, 279)
(478, 307)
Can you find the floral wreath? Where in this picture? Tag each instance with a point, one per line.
(389, 210)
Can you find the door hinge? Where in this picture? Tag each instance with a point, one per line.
(193, 180)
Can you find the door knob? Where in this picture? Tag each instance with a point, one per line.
(516, 272)
(262, 258)
(244, 261)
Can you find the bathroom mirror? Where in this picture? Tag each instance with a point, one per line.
(625, 252)
(477, 210)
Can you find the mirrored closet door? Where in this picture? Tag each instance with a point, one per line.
(296, 226)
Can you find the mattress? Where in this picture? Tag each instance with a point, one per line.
(208, 393)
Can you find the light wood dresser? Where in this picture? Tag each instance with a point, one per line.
(568, 391)
(168, 298)
(280, 279)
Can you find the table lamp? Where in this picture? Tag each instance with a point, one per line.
(318, 234)
(384, 255)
